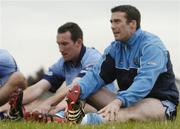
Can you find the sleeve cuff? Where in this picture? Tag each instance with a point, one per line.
(81, 75)
(122, 100)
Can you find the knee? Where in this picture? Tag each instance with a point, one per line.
(17, 79)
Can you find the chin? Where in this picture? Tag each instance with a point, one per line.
(65, 59)
(117, 39)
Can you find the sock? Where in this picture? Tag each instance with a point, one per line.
(92, 118)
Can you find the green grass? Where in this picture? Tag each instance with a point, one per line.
(129, 125)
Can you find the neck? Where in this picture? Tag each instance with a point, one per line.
(77, 56)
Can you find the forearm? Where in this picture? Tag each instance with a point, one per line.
(58, 97)
(89, 84)
(137, 91)
(33, 92)
(30, 94)
(61, 93)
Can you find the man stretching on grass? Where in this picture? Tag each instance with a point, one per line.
(76, 60)
(141, 64)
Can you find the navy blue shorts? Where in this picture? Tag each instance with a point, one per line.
(171, 109)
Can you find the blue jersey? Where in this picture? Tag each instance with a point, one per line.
(7, 66)
(141, 66)
(66, 71)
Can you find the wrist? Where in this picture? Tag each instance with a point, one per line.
(118, 102)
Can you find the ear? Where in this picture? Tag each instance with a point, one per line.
(79, 42)
(133, 24)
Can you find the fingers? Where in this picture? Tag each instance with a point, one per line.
(60, 107)
(112, 116)
(65, 112)
(53, 111)
(109, 113)
(43, 110)
(56, 109)
(105, 112)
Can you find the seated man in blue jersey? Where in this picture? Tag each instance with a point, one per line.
(141, 64)
(10, 78)
(76, 60)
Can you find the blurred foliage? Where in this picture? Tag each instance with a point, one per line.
(38, 76)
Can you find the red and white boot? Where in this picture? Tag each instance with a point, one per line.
(75, 111)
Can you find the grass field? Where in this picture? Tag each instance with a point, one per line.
(129, 125)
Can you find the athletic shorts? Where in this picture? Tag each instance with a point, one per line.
(171, 109)
(3, 80)
(7, 66)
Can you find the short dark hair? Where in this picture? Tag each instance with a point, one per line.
(73, 28)
(132, 13)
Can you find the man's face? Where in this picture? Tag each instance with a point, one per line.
(67, 47)
(121, 29)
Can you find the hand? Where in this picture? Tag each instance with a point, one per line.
(61, 106)
(43, 108)
(110, 112)
(5, 108)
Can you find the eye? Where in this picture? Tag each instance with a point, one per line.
(58, 43)
(64, 43)
(117, 20)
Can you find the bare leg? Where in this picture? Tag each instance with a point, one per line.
(147, 109)
(101, 98)
(15, 81)
(89, 108)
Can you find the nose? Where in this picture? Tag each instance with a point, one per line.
(61, 49)
(112, 26)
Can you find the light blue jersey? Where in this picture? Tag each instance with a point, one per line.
(7, 66)
(67, 71)
(141, 66)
